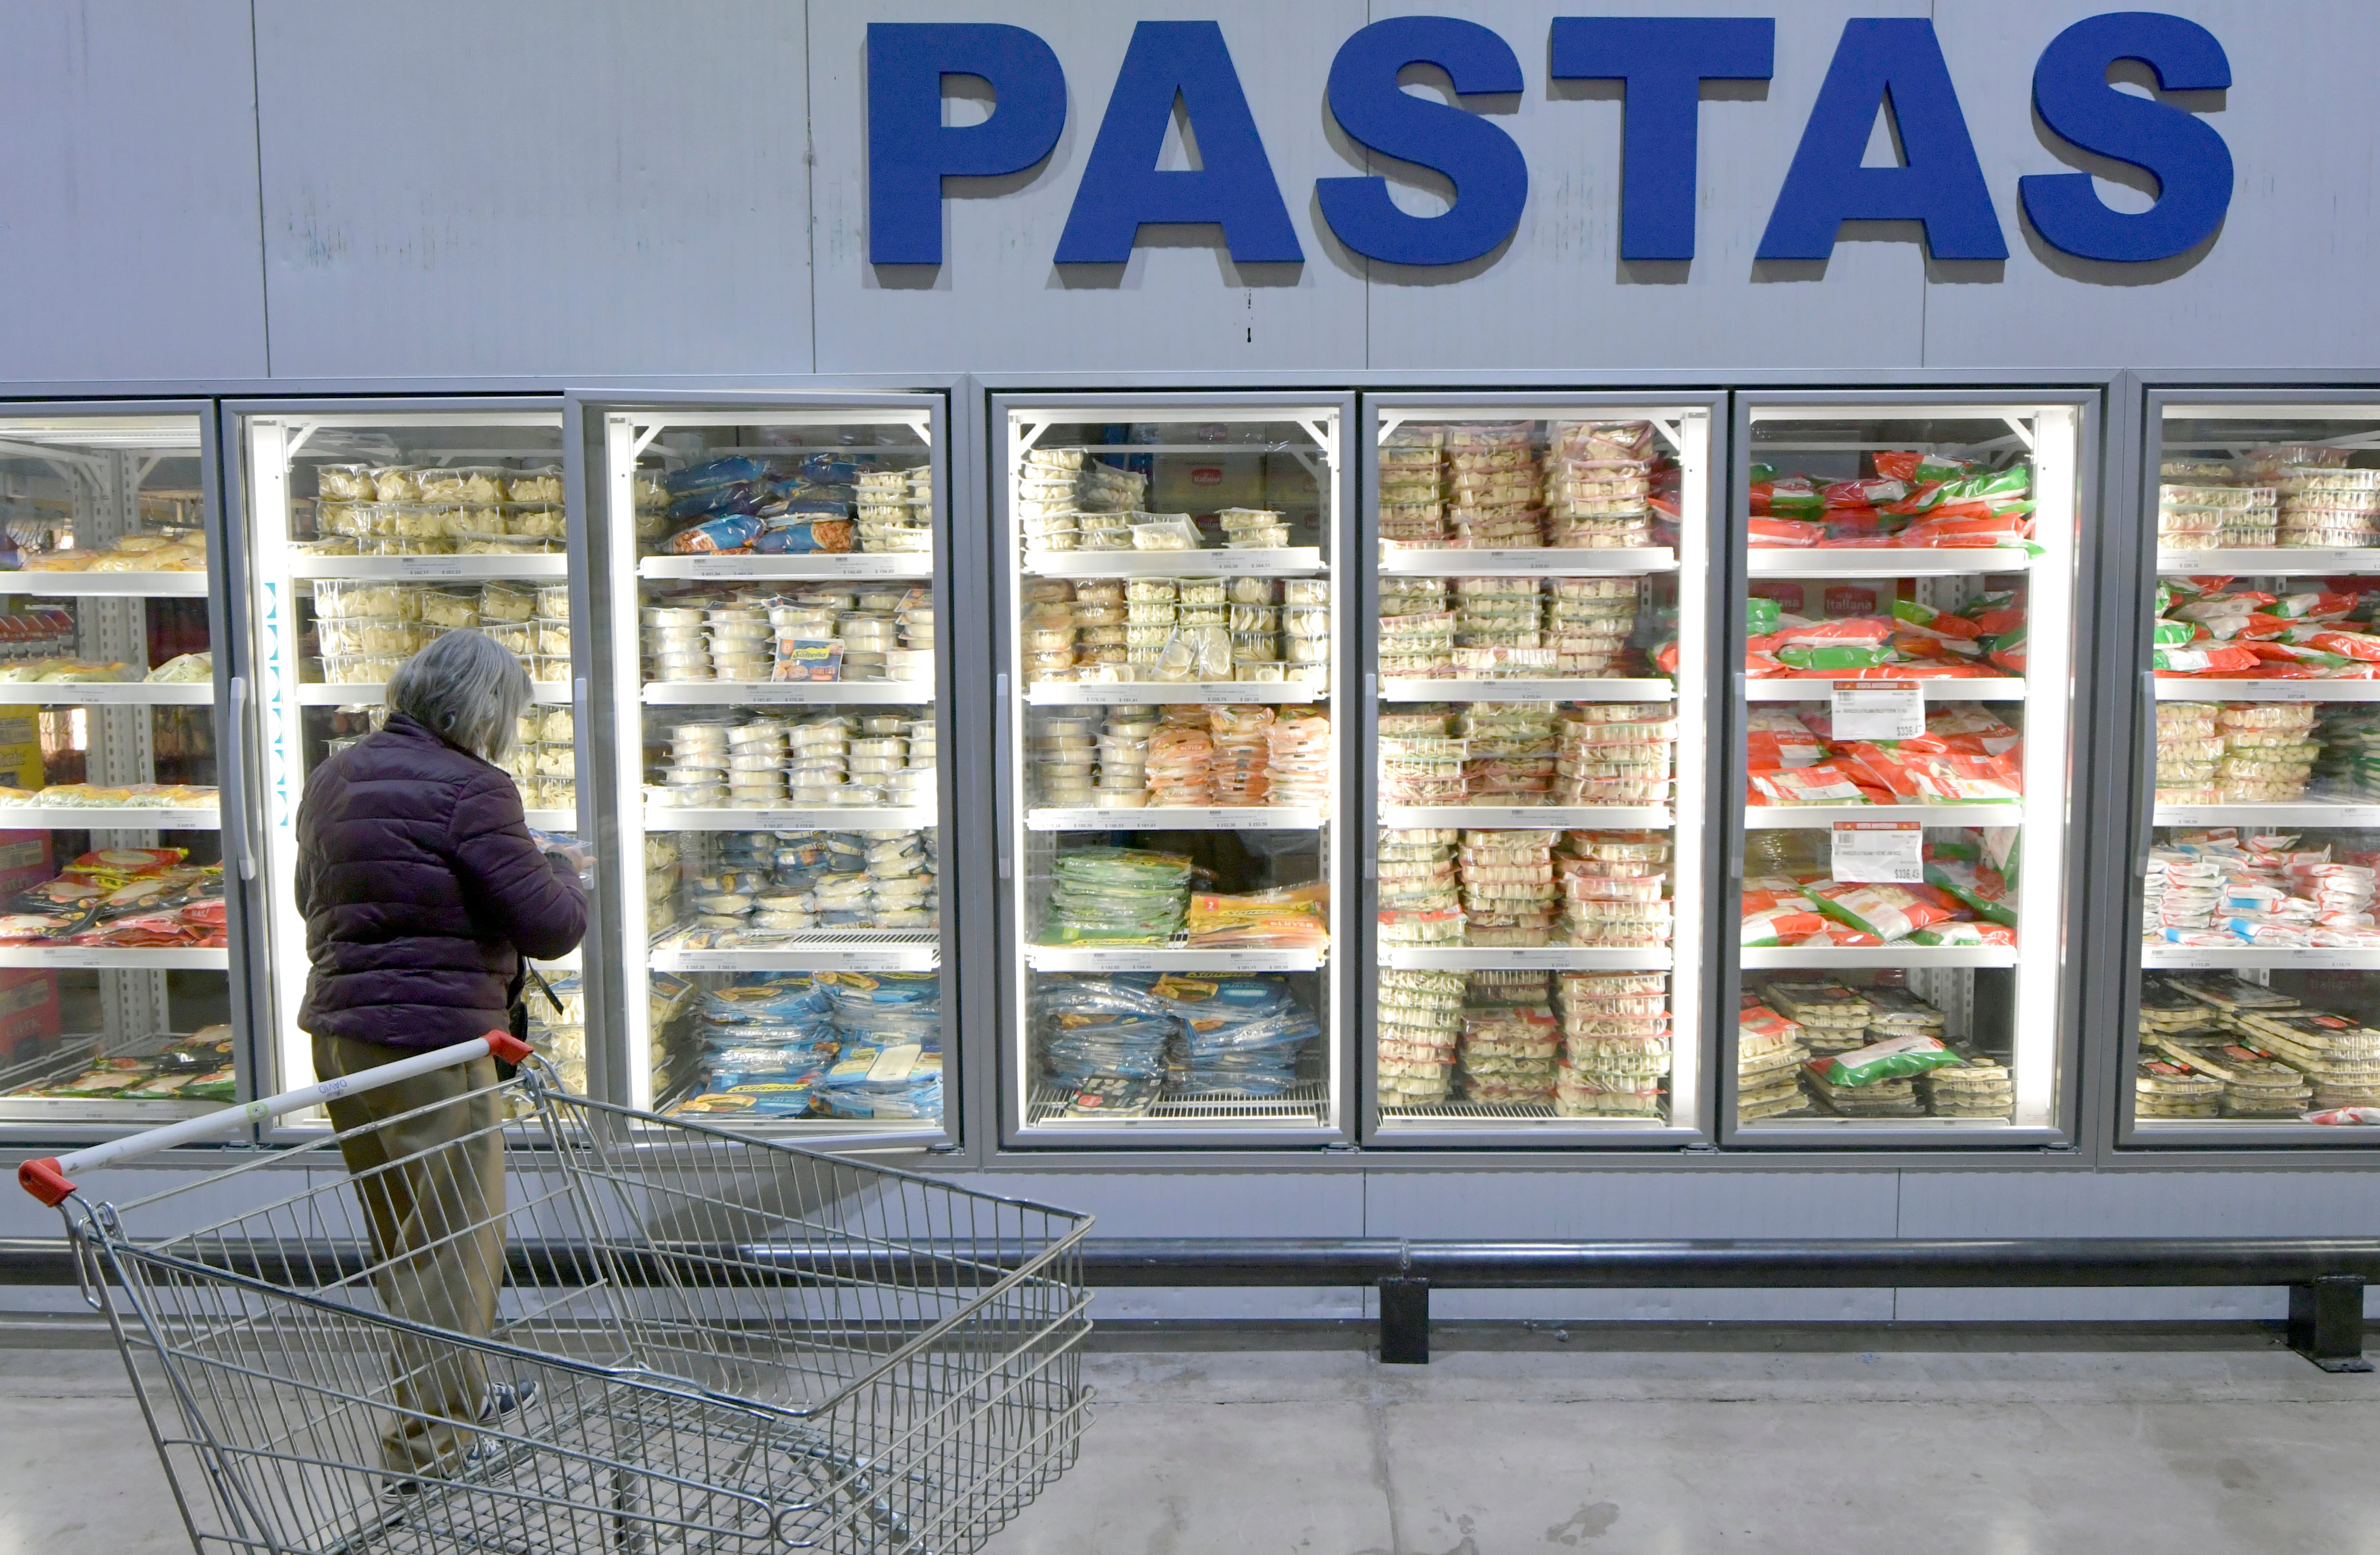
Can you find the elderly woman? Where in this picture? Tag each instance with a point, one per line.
(422, 890)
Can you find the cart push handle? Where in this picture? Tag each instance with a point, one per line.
(49, 1180)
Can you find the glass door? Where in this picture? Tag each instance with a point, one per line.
(369, 532)
(1535, 695)
(117, 1005)
(1902, 742)
(1169, 768)
(2255, 1016)
(775, 568)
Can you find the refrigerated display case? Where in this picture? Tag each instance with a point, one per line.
(1538, 600)
(1901, 795)
(775, 569)
(1169, 768)
(2254, 1016)
(368, 531)
(117, 1000)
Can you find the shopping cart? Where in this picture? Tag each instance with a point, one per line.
(733, 1344)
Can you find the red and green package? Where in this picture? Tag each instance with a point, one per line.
(2014, 481)
(1891, 1059)
(1965, 731)
(1831, 633)
(1872, 492)
(2226, 659)
(1835, 935)
(2000, 610)
(1770, 901)
(1760, 616)
(1940, 622)
(1914, 466)
(2006, 651)
(1888, 912)
(1965, 934)
(1821, 782)
(2350, 645)
(1788, 496)
(1840, 656)
(1946, 533)
(2314, 606)
(1916, 645)
(1779, 926)
(2177, 633)
(1785, 531)
(1761, 1021)
(1976, 888)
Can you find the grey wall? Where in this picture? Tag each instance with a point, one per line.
(579, 189)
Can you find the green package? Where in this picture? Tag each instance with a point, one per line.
(1839, 656)
(1762, 616)
(1887, 1061)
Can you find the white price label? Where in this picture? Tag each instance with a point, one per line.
(1878, 709)
(429, 566)
(1882, 852)
(1127, 962)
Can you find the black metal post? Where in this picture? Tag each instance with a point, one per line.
(2327, 1322)
(1405, 1322)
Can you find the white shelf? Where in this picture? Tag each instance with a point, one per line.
(740, 693)
(550, 567)
(126, 957)
(106, 694)
(105, 817)
(2276, 562)
(1167, 958)
(1992, 689)
(1527, 561)
(1794, 818)
(855, 564)
(107, 585)
(552, 820)
(1178, 817)
(1522, 958)
(1286, 561)
(1783, 958)
(1417, 690)
(1129, 693)
(858, 950)
(2305, 958)
(852, 818)
(2192, 689)
(1551, 818)
(2312, 813)
(1884, 560)
(317, 694)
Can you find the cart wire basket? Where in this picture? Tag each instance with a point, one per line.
(650, 1336)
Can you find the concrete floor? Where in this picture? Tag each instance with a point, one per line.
(1488, 1453)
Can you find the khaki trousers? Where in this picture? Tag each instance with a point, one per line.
(433, 1193)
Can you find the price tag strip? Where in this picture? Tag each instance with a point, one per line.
(1878, 709)
(1879, 852)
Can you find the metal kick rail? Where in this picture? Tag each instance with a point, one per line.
(2326, 1276)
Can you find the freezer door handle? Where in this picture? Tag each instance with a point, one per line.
(234, 757)
(1000, 736)
(2147, 839)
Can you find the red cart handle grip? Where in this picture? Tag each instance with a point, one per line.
(44, 1181)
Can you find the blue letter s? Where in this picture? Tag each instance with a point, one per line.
(1490, 178)
(2192, 165)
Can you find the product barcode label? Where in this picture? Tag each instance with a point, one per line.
(1878, 709)
(1879, 852)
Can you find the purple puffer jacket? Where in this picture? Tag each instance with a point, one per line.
(421, 890)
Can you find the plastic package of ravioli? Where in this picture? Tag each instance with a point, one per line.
(1891, 1059)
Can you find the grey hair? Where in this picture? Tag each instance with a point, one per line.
(466, 687)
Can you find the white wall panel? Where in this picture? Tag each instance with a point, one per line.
(1192, 1203)
(559, 186)
(1557, 297)
(2308, 1203)
(1603, 1203)
(127, 224)
(2285, 283)
(997, 302)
